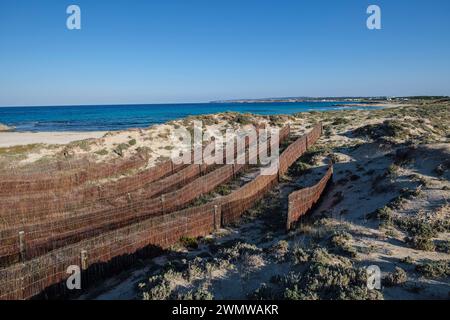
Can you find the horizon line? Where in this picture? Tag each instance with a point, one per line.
(236, 100)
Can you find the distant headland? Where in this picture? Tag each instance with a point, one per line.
(373, 99)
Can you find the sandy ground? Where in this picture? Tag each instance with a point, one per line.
(8, 139)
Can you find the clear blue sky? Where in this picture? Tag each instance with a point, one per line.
(136, 51)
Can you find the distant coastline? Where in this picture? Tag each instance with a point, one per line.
(365, 100)
(304, 99)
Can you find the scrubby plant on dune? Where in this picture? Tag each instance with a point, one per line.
(317, 274)
(323, 280)
(388, 128)
(339, 242)
(398, 277)
(435, 269)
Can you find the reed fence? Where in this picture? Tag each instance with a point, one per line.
(301, 201)
(99, 251)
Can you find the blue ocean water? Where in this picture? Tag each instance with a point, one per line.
(118, 117)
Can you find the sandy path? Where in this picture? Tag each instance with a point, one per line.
(8, 139)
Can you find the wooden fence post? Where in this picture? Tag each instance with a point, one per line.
(22, 246)
(84, 260)
(289, 213)
(22, 291)
(162, 203)
(217, 217)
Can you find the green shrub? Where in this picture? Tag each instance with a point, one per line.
(102, 152)
(417, 227)
(398, 277)
(435, 269)
(421, 243)
(384, 215)
(339, 244)
(300, 256)
(238, 250)
(389, 128)
(340, 121)
(321, 255)
(189, 242)
(421, 232)
(157, 289)
(299, 168)
(325, 281)
(407, 260)
(201, 293)
(243, 119)
(442, 168)
(279, 250)
(84, 145)
(223, 190)
(264, 292)
(120, 148)
(443, 246)
(392, 170)
(196, 269)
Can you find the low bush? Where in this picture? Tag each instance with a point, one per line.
(299, 168)
(435, 269)
(407, 260)
(236, 252)
(326, 281)
(299, 255)
(443, 246)
(157, 288)
(223, 190)
(339, 244)
(421, 243)
(280, 250)
(102, 152)
(201, 293)
(120, 149)
(189, 242)
(389, 128)
(264, 292)
(398, 277)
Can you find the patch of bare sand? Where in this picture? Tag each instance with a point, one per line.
(9, 139)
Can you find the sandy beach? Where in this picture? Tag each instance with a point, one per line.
(8, 139)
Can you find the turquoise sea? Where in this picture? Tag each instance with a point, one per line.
(118, 117)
